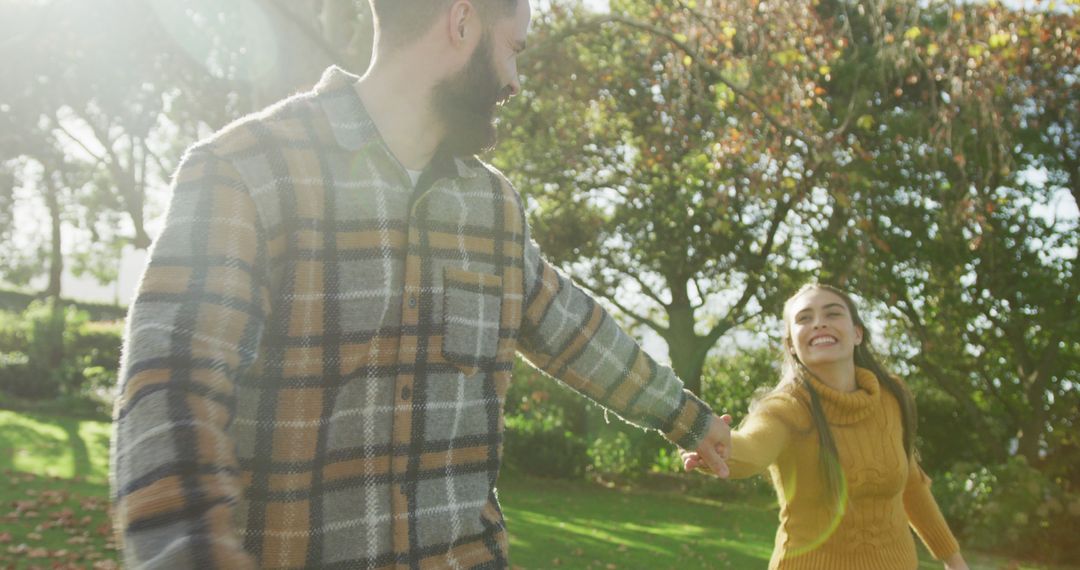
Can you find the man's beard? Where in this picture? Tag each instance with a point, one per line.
(466, 104)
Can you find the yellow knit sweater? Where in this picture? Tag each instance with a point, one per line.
(885, 491)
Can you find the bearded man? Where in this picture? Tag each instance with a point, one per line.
(317, 358)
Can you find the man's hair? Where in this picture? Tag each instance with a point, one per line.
(398, 22)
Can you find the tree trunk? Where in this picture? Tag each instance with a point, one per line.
(1034, 427)
(1031, 432)
(56, 257)
(685, 347)
(688, 360)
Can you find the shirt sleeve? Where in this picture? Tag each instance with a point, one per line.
(193, 328)
(762, 436)
(925, 516)
(569, 335)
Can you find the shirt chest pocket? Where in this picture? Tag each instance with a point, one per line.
(472, 305)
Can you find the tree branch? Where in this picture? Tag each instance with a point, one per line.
(633, 315)
(79, 142)
(316, 38)
(710, 70)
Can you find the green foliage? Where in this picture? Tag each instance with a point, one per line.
(543, 447)
(733, 381)
(641, 186)
(544, 431)
(52, 349)
(1013, 508)
(17, 302)
(552, 431)
(43, 333)
(945, 437)
(617, 449)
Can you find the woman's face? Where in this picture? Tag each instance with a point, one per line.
(821, 328)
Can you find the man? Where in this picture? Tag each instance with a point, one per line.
(317, 358)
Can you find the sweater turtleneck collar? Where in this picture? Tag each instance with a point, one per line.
(849, 407)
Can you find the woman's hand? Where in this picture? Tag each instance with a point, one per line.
(956, 562)
(715, 448)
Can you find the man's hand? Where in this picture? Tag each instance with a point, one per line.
(955, 562)
(714, 449)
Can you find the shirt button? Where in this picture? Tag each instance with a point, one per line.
(412, 301)
(405, 393)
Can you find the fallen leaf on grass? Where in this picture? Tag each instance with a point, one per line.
(23, 506)
(93, 503)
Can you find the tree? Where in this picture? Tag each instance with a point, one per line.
(941, 210)
(101, 98)
(662, 149)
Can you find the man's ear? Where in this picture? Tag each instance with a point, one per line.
(463, 21)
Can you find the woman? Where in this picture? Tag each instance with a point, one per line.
(837, 437)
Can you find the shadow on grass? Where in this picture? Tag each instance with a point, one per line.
(45, 445)
(80, 455)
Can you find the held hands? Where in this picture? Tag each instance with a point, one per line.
(955, 562)
(714, 449)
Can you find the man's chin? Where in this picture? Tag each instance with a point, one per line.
(468, 144)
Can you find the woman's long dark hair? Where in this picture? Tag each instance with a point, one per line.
(796, 375)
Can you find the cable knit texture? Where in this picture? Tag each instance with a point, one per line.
(884, 490)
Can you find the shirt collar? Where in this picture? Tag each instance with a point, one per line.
(353, 127)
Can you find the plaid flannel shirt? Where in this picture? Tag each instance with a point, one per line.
(317, 358)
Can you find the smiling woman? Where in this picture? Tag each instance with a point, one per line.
(836, 436)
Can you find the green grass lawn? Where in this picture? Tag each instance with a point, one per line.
(54, 513)
(54, 503)
(574, 525)
(577, 525)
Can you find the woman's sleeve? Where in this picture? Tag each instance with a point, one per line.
(925, 516)
(763, 436)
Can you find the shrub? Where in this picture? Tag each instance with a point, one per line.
(541, 445)
(544, 426)
(51, 350)
(617, 448)
(1011, 508)
(730, 383)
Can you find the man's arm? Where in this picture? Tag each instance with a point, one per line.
(569, 335)
(193, 328)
